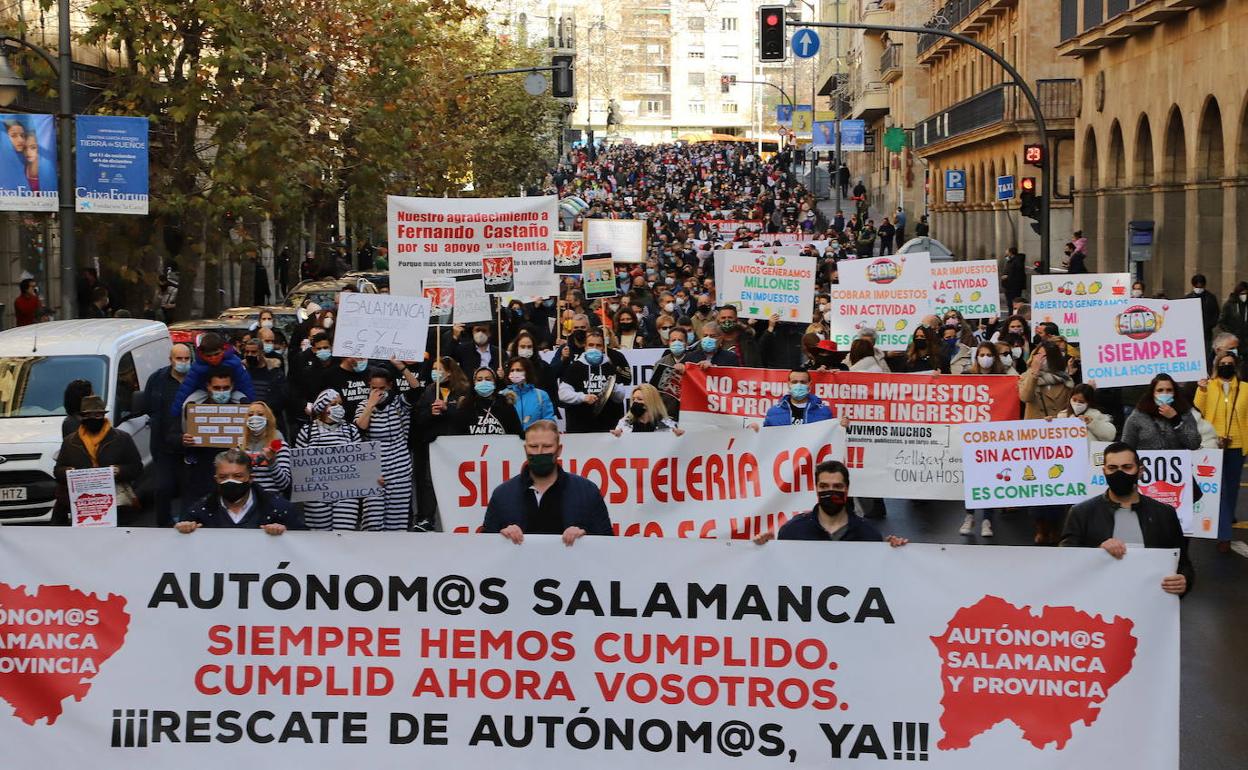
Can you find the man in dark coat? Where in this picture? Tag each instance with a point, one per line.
(236, 503)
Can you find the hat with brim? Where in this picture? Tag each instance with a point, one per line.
(93, 405)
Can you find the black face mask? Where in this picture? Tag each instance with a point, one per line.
(1226, 371)
(233, 491)
(93, 424)
(637, 409)
(1121, 483)
(832, 501)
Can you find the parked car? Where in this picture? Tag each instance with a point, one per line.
(324, 292)
(117, 355)
(379, 279)
(284, 319)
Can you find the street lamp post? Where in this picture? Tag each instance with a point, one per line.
(10, 86)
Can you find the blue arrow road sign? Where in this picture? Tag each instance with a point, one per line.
(805, 43)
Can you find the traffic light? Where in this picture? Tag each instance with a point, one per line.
(1033, 155)
(561, 79)
(771, 42)
(1029, 198)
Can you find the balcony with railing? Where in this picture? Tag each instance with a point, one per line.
(1090, 25)
(1002, 105)
(891, 63)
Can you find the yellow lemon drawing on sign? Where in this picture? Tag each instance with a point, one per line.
(975, 296)
(901, 325)
(1055, 471)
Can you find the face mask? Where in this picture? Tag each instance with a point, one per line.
(1164, 399)
(593, 357)
(952, 323)
(257, 423)
(799, 391)
(480, 338)
(627, 327)
(677, 347)
(213, 359)
(709, 344)
(1198, 290)
(1137, 293)
(541, 465)
(1120, 482)
(93, 424)
(825, 308)
(437, 375)
(484, 388)
(268, 347)
(255, 362)
(1078, 407)
(727, 326)
(328, 323)
(670, 281)
(1226, 371)
(833, 500)
(920, 344)
(1018, 352)
(182, 367)
(517, 378)
(517, 311)
(266, 324)
(670, 307)
(985, 362)
(614, 306)
(524, 352)
(233, 491)
(1006, 359)
(637, 409)
(360, 366)
(1243, 297)
(221, 396)
(324, 354)
(336, 413)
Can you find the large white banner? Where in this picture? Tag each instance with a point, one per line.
(443, 237)
(762, 285)
(971, 288)
(1062, 299)
(730, 483)
(1130, 344)
(382, 326)
(146, 648)
(623, 239)
(888, 294)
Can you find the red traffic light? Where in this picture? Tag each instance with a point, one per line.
(773, 20)
(1028, 184)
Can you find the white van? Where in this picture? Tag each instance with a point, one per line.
(116, 355)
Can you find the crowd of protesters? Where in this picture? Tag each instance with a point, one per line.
(561, 358)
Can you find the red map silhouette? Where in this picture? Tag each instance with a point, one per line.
(1043, 682)
(51, 648)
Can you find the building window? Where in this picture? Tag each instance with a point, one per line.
(697, 108)
(729, 107)
(654, 105)
(697, 53)
(728, 24)
(697, 79)
(728, 52)
(697, 23)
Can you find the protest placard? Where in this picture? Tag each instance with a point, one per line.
(1061, 299)
(1207, 473)
(599, 276)
(216, 425)
(569, 249)
(472, 304)
(499, 272)
(92, 497)
(624, 239)
(443, 237)
(1132, 343)
(460, 651)
(382, 326)
(899, 443)
(888, 294)
(971, 288)
(325, 474)
(1023, 463)
(441, 295)
(762, 285)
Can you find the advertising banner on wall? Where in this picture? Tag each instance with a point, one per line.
(443, 237)
(28, 172)
(111, 163)
(129, 648)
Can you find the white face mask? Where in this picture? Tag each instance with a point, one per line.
(328, 323)
(1078, 407)
(1243, 297)
(1018, 352)
(480, 338)
(257, 423)
(1198, 290)
(524, 352)
(670, 307)
(1137, 293)
(985, 362)
(517, 378)
(825, 308)
(1006, 359)
(266, 324)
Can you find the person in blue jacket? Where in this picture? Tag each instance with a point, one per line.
(532, 403)
(544, 499)
(210, 355)
(799, 407)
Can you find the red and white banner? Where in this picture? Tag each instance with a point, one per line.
(713, 484)
(901, 441)
(445, 237)
(728, 227)
(138, 648)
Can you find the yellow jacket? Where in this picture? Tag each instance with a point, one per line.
(1226, 410)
